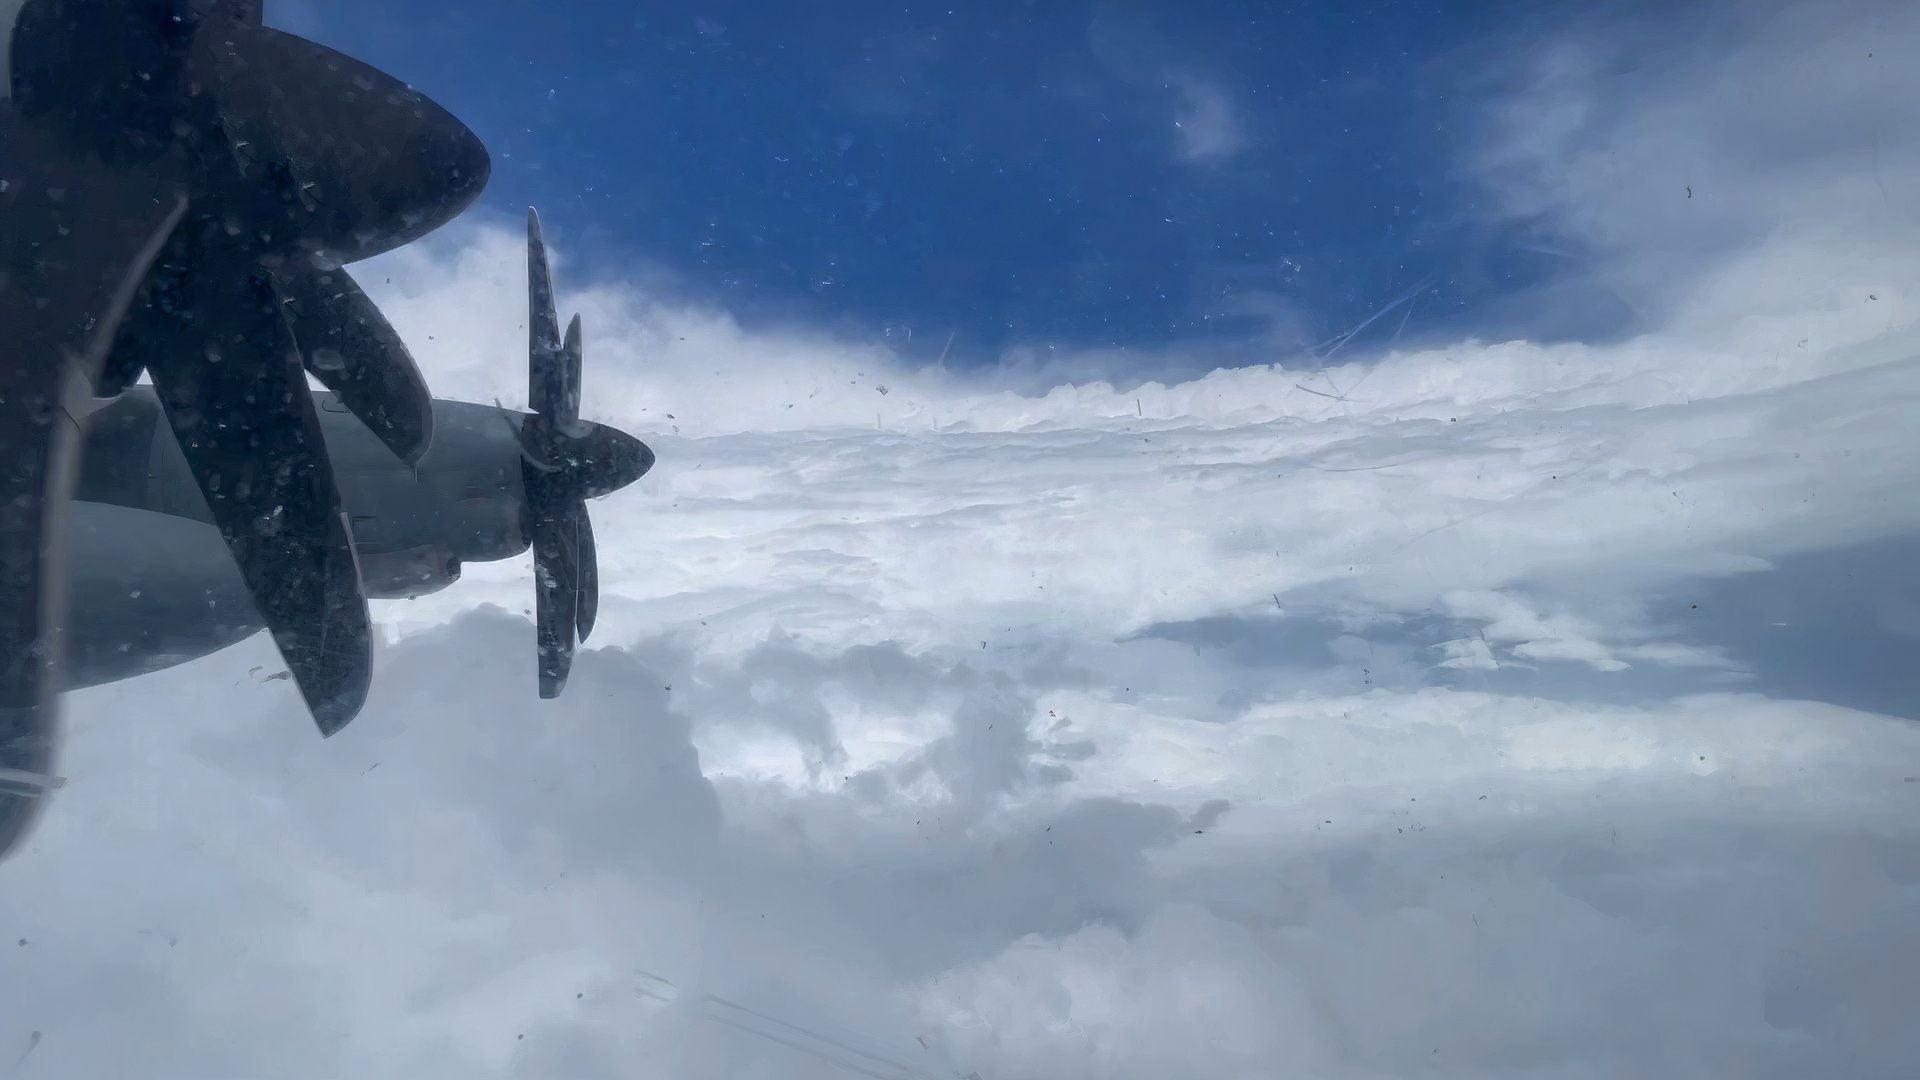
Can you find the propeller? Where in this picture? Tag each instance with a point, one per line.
(295, 159)
(564, 462)
(343, 162)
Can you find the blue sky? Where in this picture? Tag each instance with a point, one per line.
(1228, 179)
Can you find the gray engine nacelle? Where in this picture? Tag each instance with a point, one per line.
(416, 571)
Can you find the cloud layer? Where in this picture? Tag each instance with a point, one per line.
(1491, 710)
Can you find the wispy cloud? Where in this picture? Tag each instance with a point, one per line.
(1728, 165)
(1205, 122)
(1208, 128)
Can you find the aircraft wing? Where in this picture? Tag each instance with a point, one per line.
(77, 237)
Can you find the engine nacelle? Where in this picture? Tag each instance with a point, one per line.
(415, 571)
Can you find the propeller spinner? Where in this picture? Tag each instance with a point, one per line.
(564, 462)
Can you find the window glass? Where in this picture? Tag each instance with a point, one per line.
(992, 541)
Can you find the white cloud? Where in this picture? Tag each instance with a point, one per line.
(1207, 126)
(1218, 728)
(1508, 620)
(1737, 172)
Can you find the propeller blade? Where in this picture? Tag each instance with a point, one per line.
(109, 76)
(361, 162)
(240, 11)
(570, 374)
(237, 400)
(546, 363)
(556, 547)
(364, 162)
(351, 348)
(589, 587)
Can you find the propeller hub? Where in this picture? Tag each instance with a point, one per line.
(606, 460)
(582, 460)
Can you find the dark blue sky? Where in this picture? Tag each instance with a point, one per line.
(1042, 173)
